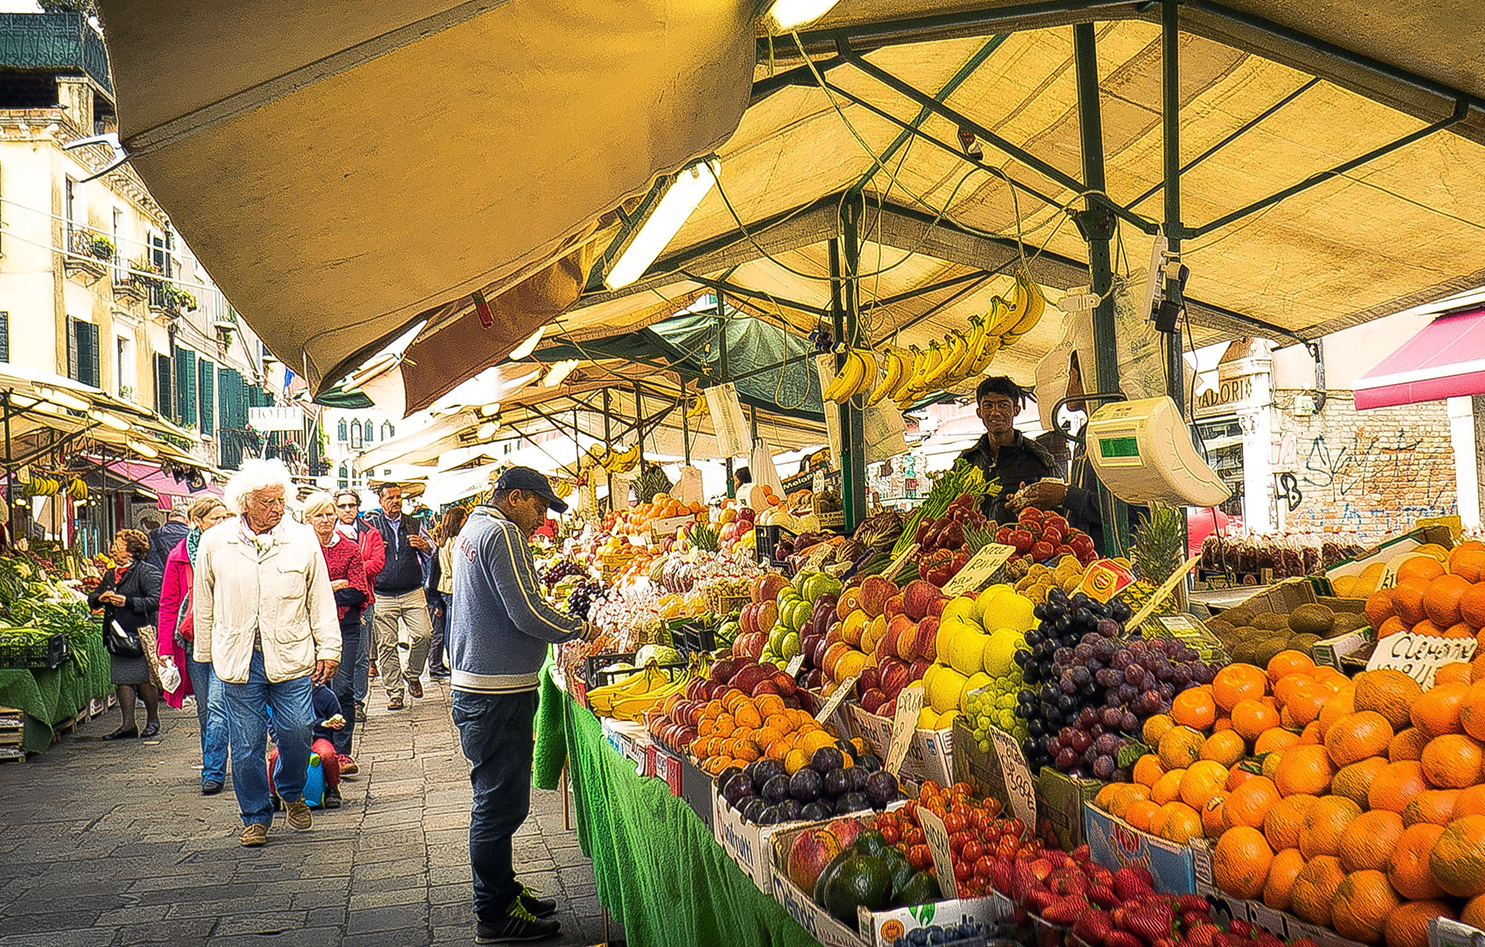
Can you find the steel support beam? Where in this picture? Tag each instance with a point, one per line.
(1100, 230)
(1461, 112)
(845, 261)
(1170, 116)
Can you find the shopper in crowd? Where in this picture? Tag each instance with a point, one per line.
(441, 585)
(348, 580)
(329, 720)
(167, 537)
(400, 599)
(265, 619)
(352, 525)
(148, 524)
(178, 634)
(499, 632)
(1003, 453)
(741, 477)
(129, 595)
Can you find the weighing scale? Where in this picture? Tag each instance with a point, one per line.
(1142, 452)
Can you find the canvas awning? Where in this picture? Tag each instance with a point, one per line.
(1445, 360)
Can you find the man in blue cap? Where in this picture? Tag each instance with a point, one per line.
(498, 635)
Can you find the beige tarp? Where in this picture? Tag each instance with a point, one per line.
(343, 168)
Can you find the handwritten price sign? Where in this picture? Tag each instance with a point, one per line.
(904, 725)
(937, 838)
(841, 692)
(1419, 656)
(979, 569)
(1018, 783)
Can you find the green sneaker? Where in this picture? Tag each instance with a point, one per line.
(517, 926)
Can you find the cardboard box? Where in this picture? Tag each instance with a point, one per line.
(697, 790)
(1443, 932)
(1114, 843)
(930, 755)
(748, 845)
(629, 740)
(1387, 548)
(873, 928)
(1282, 923)
(1059, 798)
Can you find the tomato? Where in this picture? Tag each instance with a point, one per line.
(886, 818)
(956, 822)
(919, 856)
(973, 849)
(909, 812)
(960, 804)
(1008, 845)
(930, 788)
(961, 786)
(984, 866)
(891, 834)
(963, 872)
(1015, 827)
(958, 840)
(913, 836)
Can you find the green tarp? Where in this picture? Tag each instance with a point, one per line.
(659, 871)
(49, 696)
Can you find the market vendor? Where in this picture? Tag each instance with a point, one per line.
(499, 632)
(1003, 453)
(1076, 498)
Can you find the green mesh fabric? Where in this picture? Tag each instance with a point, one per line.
(659, 871)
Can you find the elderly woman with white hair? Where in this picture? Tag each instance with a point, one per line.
(265, 619)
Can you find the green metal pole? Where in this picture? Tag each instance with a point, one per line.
(1170, 82)
(852, 426)
(1099, 230)
(725, 375)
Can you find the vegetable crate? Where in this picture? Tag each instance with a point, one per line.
(12, 728)
(692, 638)
(594, 665)
(767, 541)
(33, 651)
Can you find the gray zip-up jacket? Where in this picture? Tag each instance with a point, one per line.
(499, 625)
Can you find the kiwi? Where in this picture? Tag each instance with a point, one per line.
(1271, 621)
(1265, 650)
(1302, 642)
(1244, 652)
(1312, 619)
(1219, 626)
(1241, 615)
(1347, 621)
(1247, 633)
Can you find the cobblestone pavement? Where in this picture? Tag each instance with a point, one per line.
(113, 844)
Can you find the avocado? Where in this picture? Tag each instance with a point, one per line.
(1271, 621)
(1312, 620)
(1220, 626)
(831, 867)
(899, 868)
(860, 881)
(1237, 617)
(869, 842)
(1266, 649)
(922, 888)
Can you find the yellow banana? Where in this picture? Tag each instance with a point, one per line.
(870, 371)
(933, 358)
(1001, 317)
(1030, 304)
(829, 391)
(978, 338)
(891, 377)
(846, 379)
(958, 348)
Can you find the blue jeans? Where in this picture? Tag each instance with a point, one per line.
(247, 726)
(495, 731)
(363, 658)
(211, 716)
(342, 683)
(438, 610)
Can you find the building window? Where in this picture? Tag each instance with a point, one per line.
(340, 431)
(185, 387)
(356, 442)
(206, 383)
(120, 270)
(370, 432)
(388, 430)
(344, 479)
(71, 209)
(82, 352)
(125, 372)
(4, 336)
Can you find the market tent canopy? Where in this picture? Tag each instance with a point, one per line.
(345, 170)
(167, 486)
(1445, 360)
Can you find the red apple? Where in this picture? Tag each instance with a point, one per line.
(870, 678)
(919, 667)
(895, 676)
(925, 642)
(872, 699)
(936, 607)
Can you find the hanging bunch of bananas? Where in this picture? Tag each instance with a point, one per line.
(700, 409)
(77, 489)
(622, 461)
(631, 697)
(563, 488)
(908, 375)
(43, 486)
(857, 375)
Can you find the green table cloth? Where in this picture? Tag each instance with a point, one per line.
(51, 695)
(659, 871)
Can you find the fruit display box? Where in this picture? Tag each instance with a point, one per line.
(873, 928)
(930, 755)
(629, 740)
(1291, 594)
(1114, 843)
(1387, 548)
(1060, 798)
(697, 791)
(748, 844)
(1282, 923)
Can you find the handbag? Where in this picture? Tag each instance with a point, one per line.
(121, 643)
(185, 620)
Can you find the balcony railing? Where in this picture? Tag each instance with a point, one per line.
(59, 41)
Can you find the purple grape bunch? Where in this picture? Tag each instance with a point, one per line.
(583, 597)
(560, 570)
(1089, 690)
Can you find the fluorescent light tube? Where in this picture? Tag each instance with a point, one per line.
(559, 372)
(528, 346)
(141, 448)
(789, 14)
(62, 399)
(681, 198)
(110, 420)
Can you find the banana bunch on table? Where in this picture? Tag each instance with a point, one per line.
(631, 697)
(905, 376)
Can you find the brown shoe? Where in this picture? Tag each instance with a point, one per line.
(394, 703)
(254, 835)
(415, 687)
(297, 815)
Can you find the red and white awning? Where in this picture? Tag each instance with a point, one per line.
(1445, 360)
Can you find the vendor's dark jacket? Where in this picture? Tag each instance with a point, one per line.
(1018, 463)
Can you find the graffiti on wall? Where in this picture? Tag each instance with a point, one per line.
(1375, 483)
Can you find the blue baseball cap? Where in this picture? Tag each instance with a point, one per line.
(532, 481)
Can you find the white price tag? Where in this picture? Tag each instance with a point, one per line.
(937, 838)
(892, 569)
(1420, 656)
(841, 693)
(904, 725)
(978, 570)
(795, 663)
(1018, 783)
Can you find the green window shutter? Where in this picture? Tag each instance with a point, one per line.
(207, 388)
(163, 386)
(4, 336)
(82, 352)
(224, 385)
(185, 386)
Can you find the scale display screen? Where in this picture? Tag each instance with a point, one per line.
(1119, 447)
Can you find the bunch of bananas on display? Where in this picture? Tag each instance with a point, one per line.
(631, 697)
(622, 461)
(563, 488)
(907, 375)
(43, 486)
(700, 409)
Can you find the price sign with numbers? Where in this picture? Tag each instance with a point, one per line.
(841, 693)
(904, 725)
(937, 838)
(978, 570)
(1017, 775)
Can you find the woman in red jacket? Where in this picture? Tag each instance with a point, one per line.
(352, 590)
(373, 557)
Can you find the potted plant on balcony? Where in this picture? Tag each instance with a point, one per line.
(101, 247)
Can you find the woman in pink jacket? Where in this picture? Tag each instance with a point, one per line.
(177, 636)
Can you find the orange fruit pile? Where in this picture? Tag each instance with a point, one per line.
(735, 730)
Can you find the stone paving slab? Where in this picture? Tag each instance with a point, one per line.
(112, 844)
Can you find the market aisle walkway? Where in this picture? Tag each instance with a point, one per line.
(113, 844)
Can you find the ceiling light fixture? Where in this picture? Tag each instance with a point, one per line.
(490, 410)
(790, 14)
(487, 430)
(62, 399)
(110, 420)
(528, 346)
(141, 448)
(559, 372)
(683, 194)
